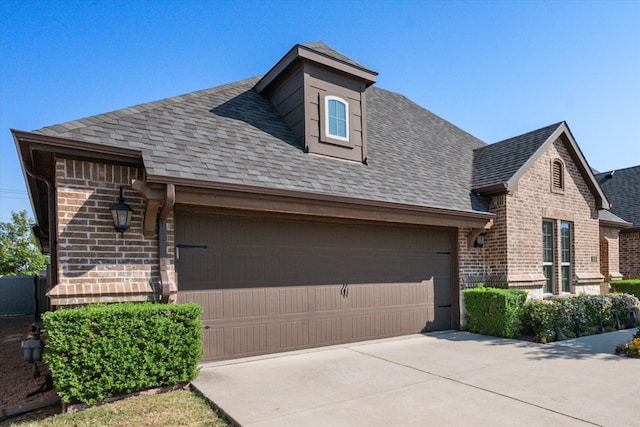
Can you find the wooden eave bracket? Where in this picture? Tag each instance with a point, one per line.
(155, 199)
(475, 232)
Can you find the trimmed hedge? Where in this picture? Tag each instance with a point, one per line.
(631, 286)
(493, 311)
(562, 318)
(100, 351)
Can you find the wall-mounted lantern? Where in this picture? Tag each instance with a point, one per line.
(121, 213)
(479, 242)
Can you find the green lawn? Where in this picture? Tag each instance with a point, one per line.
(177, 408)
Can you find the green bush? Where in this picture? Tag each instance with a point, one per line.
(556, 319)
(493, 311)
(99, 351)
(631, 286)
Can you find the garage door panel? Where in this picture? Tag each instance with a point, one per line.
(293, 300)
(277, 283)
(248, 303)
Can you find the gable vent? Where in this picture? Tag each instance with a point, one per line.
(558, 175)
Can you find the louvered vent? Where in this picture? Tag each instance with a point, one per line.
(558, 175)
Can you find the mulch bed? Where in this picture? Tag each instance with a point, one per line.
(17, 375)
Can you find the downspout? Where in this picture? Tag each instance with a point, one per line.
(163, 260)
(53, 244)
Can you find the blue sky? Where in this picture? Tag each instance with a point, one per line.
(494, 68)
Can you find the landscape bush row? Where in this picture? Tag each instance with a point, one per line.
(506, 313)
(630, 286)
(100, 351)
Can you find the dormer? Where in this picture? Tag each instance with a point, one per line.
(320, 93)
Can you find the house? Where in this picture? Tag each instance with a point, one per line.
(307, 207)
(622, 188)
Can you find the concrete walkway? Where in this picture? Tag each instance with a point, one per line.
(448, 378)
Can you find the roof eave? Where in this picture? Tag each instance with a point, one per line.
(322, 204)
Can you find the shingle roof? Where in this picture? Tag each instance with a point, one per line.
(231, 134)
(605, 215)
(325, 50)
(622, 188)
(497, 163)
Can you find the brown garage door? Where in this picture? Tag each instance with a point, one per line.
(271, 283)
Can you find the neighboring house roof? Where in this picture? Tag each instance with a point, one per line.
(231, 134)
(498, 167)
(622, 188)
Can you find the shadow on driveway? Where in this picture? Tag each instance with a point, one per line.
(601, 346)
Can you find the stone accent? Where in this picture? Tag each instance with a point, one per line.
(97, 263)
(630, 254)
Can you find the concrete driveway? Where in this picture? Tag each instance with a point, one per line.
(449, 378)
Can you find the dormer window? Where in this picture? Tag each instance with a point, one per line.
(557, 176)
(337, 123)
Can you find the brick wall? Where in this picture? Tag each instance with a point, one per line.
(97, 263)
(534, 201)
(513, 246)
(630, 254)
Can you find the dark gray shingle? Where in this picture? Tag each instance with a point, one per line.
(497, 163)
(622, 188)
(231, 134)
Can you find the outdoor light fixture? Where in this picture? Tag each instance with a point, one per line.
(121, 213)
(479, 242)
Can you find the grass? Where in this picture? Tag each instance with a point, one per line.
(177, 408)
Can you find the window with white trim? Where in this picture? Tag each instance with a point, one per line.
(337, 118)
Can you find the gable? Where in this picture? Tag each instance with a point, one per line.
(499, 167)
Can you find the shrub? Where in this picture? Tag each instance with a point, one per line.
(631, 286)
(558, 319)
(493, 311)
(100, 351)
(624, 308)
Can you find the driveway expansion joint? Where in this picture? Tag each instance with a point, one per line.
(444, 377)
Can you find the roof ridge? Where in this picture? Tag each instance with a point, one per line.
(554, 126)
(138, 108)
(324, 49)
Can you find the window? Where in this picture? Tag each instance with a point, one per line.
(557, 175)
(565, 255)
(337, 118)
(548, 255)
(551, 258)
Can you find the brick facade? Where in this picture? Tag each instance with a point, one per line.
(609, 256)
(95, 262)
(513, 245)
(630, 254)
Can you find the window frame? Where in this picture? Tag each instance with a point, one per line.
(566, 255)
(548, 266)
(325, 135)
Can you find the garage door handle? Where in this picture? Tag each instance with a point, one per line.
(444, 306)
(344, 291)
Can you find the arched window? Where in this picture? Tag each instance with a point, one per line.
(337, 120)
(557, 175)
